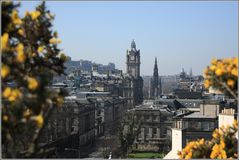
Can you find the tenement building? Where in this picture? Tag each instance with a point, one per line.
(154, 129)
(132, 81)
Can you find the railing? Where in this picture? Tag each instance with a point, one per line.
(229, 111)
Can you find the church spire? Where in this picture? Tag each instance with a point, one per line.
(155, 83)
(155, 64)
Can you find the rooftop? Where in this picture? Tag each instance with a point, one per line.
(198, 115)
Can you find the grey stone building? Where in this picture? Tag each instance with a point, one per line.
(70, 131)
(156, 121)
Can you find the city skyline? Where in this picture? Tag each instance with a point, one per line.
(180, 34)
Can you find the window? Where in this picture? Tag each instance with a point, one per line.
(146, 117)
(98, 112)
(141, 133)
(205, 126)
(155, 118)
(186, 124)
(211, 126)
(146, 130)
(195, 125)
(154, 130)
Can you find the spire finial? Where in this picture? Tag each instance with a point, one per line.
(133, 45)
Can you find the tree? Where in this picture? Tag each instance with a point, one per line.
(128, 131)
(30, 59)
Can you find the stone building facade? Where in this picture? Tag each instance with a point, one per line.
(70, 131)
(155, 125)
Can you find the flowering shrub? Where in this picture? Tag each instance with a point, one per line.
(223, 75)
(223, 145)
(30, 58)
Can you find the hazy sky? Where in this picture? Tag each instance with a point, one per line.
(179, 34)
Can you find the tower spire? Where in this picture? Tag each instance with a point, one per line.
(155, 84)
(155, 64)
(133, 45)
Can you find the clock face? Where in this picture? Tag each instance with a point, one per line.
(131, 58)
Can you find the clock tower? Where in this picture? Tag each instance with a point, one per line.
(133, 61)
(132, 81)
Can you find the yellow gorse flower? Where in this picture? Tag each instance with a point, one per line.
(222, 72)
(35, 14)
(15, 19)
(55, 40)
(234, 72)
(222, 143)
(32, 83)
(214, 61)
(235, 62)
(4, 40)
(15, 93)
(40, 49)
(21, 57)
(218, 151)
(20, 53)
(7, 92)
(216, 134)
(201, 142)
(21, 32)
(219, 72)
(39, 120)
(5, 70)
(206, 83)
(11, 94)
(230, 82)
(212, 68)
